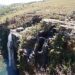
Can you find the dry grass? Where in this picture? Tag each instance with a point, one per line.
(46, 7)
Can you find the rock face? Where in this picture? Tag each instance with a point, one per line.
(3, 40)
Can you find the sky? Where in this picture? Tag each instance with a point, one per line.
(7, 2)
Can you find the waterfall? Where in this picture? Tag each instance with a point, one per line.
(10, 51)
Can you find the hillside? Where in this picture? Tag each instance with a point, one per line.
(38, 38)
(43, 7)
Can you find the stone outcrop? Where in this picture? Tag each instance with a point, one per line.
(60, 43)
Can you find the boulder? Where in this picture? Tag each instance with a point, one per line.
(36, 19)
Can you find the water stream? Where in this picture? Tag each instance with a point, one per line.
(10, 54)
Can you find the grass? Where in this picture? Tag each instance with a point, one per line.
(46, 7)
